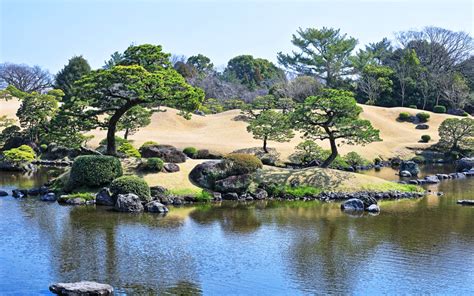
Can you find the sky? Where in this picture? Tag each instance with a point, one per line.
(47, 33)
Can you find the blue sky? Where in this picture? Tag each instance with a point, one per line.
(48, 33)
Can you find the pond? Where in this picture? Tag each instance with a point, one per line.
(265, 248)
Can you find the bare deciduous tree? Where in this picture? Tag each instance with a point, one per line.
(24, 77)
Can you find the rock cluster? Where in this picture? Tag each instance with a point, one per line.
(167, 153)
(434, 179)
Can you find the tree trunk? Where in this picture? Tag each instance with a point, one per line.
(112, 128)
(265, 144)
(333, 155)
(125, 136)
(403, 95)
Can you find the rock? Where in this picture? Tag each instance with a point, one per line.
(260, 194)
(465, 164)
(353, 204)
(3, 193)
(405, 174)
(206, 173)
(422, 126)
(238, 183)
(442, 176)
(19, 193)
(155, 190)
(431, 180)
(167, 153)
(230, 196)
(206, 154)
(171, 167)
(76, 201)
(199, 112)
(81, 288)
(38, 191)
(217, 196)
(457, 176)
(373, 209)
(413, 182)
(469, 173)
(104, 197)
(368, 200)
(410, 166)
(467, 202)
(156, 207)
(49, 197)
(128, 203)
(270, 158)
(9, 166)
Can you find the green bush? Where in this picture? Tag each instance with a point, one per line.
(439, 109)
(204, 196)
(43, 147)
(244, 163)
(418, 159)
(153, 164)
(83, 195)
(413, 106)
(128, 149)
(423, 116)
(94, 170)
(339, 162)
(190, 152)
(24, 153)
(118, 141)
(297, 191)
(425, 138)
(465, 114)
(148, 144)
(308, 151)
(131, 184)
(353, 159)
(404, 116)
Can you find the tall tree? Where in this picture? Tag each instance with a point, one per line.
(456, 91)
(405, 69)
(333, 116)
(25, 78)
(72, 72)
(323, 53)
(271, 126)
(375, 80)
(145, 78)
(457, 134)
(201, 63)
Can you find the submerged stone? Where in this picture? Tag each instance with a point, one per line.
(82, 288)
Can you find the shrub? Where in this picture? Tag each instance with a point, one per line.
(244, 163)
(24, 153)
(404, 116)
(418, 159)
(413, 106)
(204, 196)
(353, 159)
(339, 162)
(128, 149)
(423, 116)
(425, 138)
(465, 114)
(439, 109)
(131, 184)
(94, 170)
(118, 141)
(153, 164)
(308, 151)
(83, 195)
(377, 161)
(148, 144)
(190, 152)
(297, 191)
(43, 147)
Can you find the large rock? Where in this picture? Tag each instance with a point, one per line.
(207, 173)
(368, 200)
(465, 164)
(49, 197)
(405, 174)
(410, 166)
(238, 183)
(104, 197)
(353, 204)
(422, 126)
(167, 153)
(3, 193)
(156, 207)
(260, 194)
(171, 167)
(82, 288)
(432, 179)
(128, 203)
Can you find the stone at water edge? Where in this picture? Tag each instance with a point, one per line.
(49, 197)
(128, 203)
(156, 207)
(410, 166)
(82, 288)
(467, 202)
(353, 204)
(3, 193)
(373, 208)
(432, 179)
(405, 174)
(104, 197)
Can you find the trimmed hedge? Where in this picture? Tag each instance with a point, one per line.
(190, 152)
(404, 116)
(425, 138)
(354, 159)
(244, 163)
(95, 170)
(413, 106)
(153, 164)
(24, 153)
(148, 144)
(439, 109)
(423, 116)
(131, 184)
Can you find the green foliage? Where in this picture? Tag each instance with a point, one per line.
(413, 106)
(190, 152)
(23, 153)
(404, 116)
(423, 116)
(375, 80)
(44, 147)
(201, 63)
(211, 106)
(148, 144)
(270, 125)
(353, 159)
(72, 72)
(456, 134)
(425, 138)
(84, 195)
(131, 184)
(332, 116)
(294, 191)
(128, 149)
(204, 196)
(9, 132)
(94, 170)
(134, 119)
(233, 104)
(306, 152)
(439, 109)
(418, 159)
(119, 140)
(153, 164)
(323, 53)
(244, 163)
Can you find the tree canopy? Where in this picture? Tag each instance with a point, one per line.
(72, 72)
(271, 125)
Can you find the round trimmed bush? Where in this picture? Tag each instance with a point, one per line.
(425, 138)
(190, 152)
(128, 149)
(131, 184)
(94, 170)
(148, 144)
(404, 116)
(423, 116)
(413, 106)
(244, 163)
(153, 164)
(24, 153)
(439, 109)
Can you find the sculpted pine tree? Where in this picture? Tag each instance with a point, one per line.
(333, 116)
(270, 126)
(134, 119)
(457, 134)
(144, 78)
